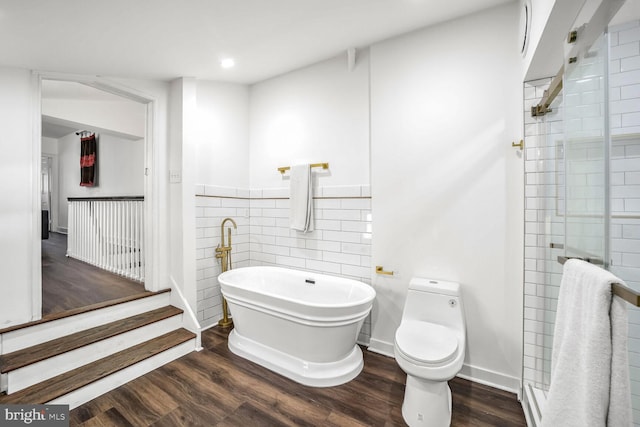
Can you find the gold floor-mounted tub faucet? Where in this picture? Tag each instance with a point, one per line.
(224, 253)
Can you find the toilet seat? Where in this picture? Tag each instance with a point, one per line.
(425, 343)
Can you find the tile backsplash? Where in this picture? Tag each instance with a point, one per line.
(339, 245)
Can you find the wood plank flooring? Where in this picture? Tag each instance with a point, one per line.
(69, 284)
(214, 387)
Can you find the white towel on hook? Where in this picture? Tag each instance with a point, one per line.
(301, 198)
(589, 361)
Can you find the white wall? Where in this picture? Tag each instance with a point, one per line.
(49, 146)
(316, 114)
(446, 184)
(540, 11)
(120, 170)
(50, 149)
(182, 161)
(222, 134)
(20, 245)
(17, 228)
(127, 117)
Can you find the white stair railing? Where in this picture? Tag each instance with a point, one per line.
(108, 232)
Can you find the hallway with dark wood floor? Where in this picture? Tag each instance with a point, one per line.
(69, 284)
(214, 387)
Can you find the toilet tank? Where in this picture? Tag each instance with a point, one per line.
(435, 301)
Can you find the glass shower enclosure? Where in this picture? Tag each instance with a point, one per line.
(582, 187)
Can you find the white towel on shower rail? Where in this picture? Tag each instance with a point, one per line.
(301, 198)
(589, 361)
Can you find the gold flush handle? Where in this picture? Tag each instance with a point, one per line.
(380, 270)
(520, 144)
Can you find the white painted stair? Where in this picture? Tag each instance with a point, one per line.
(73, 359)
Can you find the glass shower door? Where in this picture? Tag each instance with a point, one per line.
(586, 154)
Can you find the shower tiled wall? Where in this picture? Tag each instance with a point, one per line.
(544, 225)
(625, 179)
(340, 244)
(625, 152)
(544, 190)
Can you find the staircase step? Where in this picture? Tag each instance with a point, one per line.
(39, 352)
(70, 381)
(34, 333)
(86, 309)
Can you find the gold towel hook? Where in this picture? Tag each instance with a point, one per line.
(520, 144)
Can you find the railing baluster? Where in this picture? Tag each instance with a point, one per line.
(108, 233)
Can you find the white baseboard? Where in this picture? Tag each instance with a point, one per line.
(468, 372)
(491, 378)
(205, 327)
(381, 347)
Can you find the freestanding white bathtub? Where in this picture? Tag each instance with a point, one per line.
(301, 325)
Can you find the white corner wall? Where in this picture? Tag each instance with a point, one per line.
(447, 186)
(49, 146)
(316, 114)
(222, 129)
(17, 224)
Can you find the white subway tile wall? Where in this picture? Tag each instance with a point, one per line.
(624, 87)
(544, 189)
(544, 226)
(339, 245)
(213, 205)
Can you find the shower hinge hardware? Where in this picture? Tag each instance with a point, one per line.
(520, 144)
(572, 37)
(549, 95)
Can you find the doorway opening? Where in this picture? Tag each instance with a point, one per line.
(92, 235)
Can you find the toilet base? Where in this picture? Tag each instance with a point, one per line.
(426, 403)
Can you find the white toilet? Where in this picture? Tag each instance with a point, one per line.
(429, 346)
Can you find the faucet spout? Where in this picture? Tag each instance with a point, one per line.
(224, 221)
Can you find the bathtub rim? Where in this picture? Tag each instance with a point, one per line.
(369, 289)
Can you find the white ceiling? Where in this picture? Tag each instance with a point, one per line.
(53, 90)
(165, 39)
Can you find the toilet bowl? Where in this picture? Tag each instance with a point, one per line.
(430, 346)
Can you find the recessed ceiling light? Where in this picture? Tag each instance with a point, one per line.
(227, 63)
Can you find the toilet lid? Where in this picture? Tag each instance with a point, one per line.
(426, 342)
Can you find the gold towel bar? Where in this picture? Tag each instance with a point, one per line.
(618, 289)
(283, 169)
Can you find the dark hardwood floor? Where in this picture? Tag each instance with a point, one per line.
(214, 387)
(69, 284)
